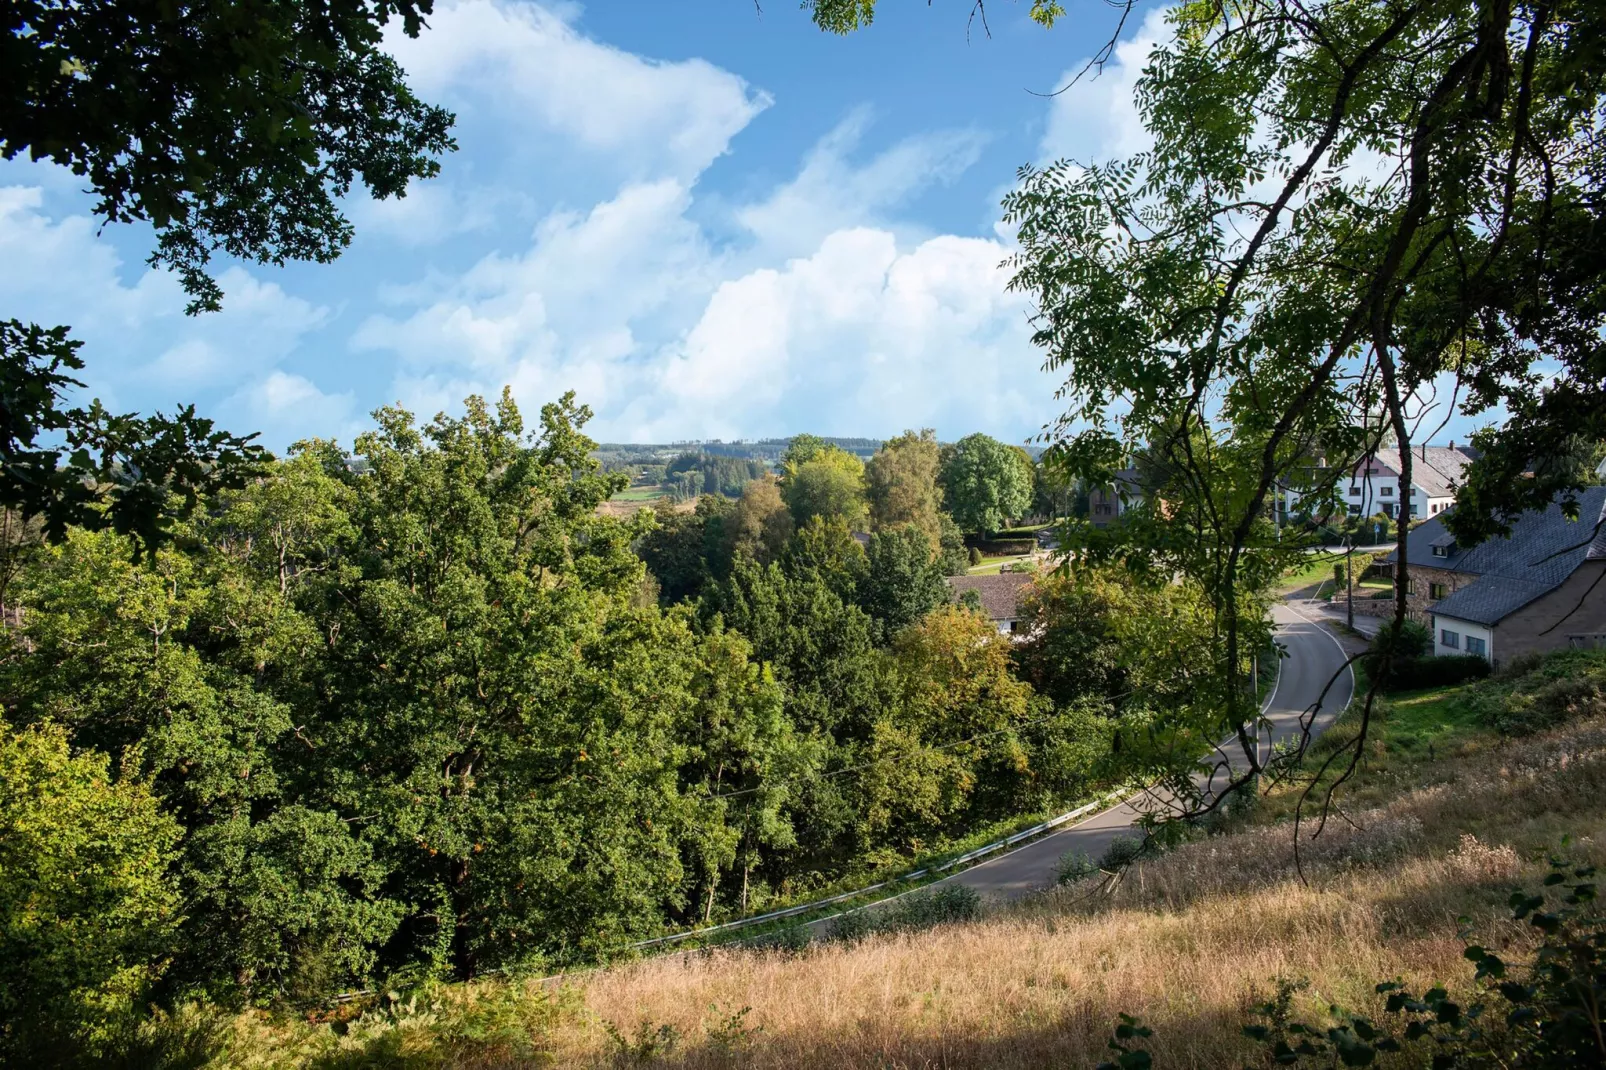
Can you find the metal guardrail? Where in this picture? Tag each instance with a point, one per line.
(804, 908)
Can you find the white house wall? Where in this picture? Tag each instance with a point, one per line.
(1464, 629)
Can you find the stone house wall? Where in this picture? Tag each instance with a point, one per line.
(1419, 600)
(1540, 625)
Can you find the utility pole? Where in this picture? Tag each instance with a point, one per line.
(1349, 582)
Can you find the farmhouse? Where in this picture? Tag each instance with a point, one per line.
(1541, 588)
(1105, 504)
(1000, 596)
(1372, 486)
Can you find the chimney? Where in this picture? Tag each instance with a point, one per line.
(1452, 443)
(1424, 451)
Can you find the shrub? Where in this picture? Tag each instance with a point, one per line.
(1522, 713)
(1005, 547)
(1410, 674)
(790, 938)
(1075, 866)
(1393, 645)
(851, 927)
(975, 556)
(87, 911)
(911, 913)
(1521, 665)
(946, 905)
(1122, 852)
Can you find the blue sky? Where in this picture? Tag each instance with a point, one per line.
(706, 220)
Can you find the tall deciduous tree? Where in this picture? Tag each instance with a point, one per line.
(901, 483)
(1350, 208)
(903, 579)
(761, 526)
(986, 483)
(823, 482)
(88, 910)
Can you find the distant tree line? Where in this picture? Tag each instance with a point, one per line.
(692, 474)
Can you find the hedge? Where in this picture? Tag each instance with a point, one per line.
(1412, 674)
(1010, 547)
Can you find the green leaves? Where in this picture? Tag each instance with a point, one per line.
(87, 907)
(227, 126)
(88, 468)
(1129, 1057)
(986, 483)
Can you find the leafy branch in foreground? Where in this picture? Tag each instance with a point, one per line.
(92, 469)
(1357, 217)
(230, 127)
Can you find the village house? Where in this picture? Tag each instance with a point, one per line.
(1541, 588)
(1106, 503)
(1372, 486)
(1000, 595)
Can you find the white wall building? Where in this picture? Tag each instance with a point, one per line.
(1373, 485)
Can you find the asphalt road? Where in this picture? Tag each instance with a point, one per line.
(1314, 656)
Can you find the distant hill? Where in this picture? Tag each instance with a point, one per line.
(768, 450)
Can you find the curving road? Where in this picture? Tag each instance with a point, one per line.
(1314, 659)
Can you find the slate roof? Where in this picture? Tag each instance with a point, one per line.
(1000, 593)
(1437, 470)
(1543, 549)
(1129, 483)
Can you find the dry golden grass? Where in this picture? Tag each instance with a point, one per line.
(1189, 942)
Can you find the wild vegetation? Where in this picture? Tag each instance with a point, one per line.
(1452, 817)
(414, 710)
(371, 720)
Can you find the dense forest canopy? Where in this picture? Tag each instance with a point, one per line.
(416, 708)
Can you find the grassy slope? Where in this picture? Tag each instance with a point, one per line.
(1318, 568)
(1444, 819)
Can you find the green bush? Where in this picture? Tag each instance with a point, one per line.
(910, 913)
(946, 905)
(1122, 852)
(1075, 866)
(1411, 674)
(1393, 645)
(851, 927)
(1522, 713)
(1005, 547)
(1521, 665)
(788, 938)
(975, 556)
(87, 911)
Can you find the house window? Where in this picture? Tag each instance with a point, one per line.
(1353, 489)
(1387, 492)
(1354, 510)
(1586, 642)
(1436, 591)
(1449, 639)
(1477, 646)
(1388, 509)
(1413, 509)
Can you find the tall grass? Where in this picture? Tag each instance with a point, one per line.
(1189, 942)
